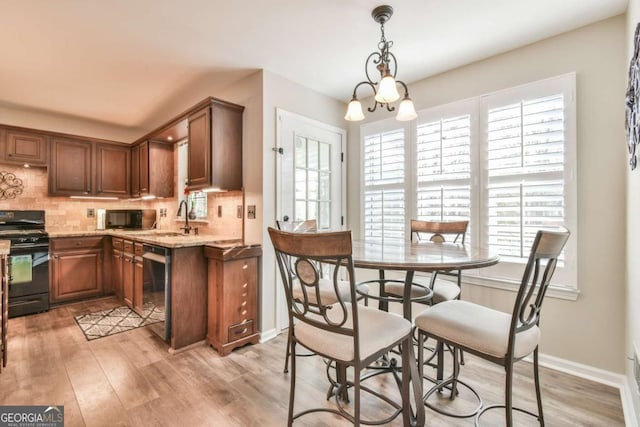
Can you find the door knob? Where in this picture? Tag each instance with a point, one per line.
(285, 218)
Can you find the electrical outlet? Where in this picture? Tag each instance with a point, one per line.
(91, 212)
(163, 212)
(219, 211)
(251, 211)
(239, 211)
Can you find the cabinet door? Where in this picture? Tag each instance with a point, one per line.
(226, 156)
(160, 169)
(116, 272)
(128, 279)
(199, 151)
(240, 294)
(138, 286)
(113, 164)
(26, 148)
(76, 274)
(71, 171)
(144, 168)
(135, 171)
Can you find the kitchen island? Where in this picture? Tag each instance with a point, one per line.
(187, 278)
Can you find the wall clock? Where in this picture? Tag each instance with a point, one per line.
(632, 121)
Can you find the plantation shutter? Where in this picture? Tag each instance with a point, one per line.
(525, 165)
(384, 177)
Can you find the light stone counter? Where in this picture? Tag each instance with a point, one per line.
(164, 238)
(4, 247)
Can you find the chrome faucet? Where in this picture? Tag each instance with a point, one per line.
(186, 227)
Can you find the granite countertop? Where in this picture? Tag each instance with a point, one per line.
(4, 247)
(164, 238)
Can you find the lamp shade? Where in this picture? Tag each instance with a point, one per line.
(387, 91)
(354, 111)
(406, 110)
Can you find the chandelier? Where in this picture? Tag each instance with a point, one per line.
(385, 90)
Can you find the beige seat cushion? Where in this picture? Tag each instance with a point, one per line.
(443, 290)
(378, 330)
(327, 291)
(477, 327)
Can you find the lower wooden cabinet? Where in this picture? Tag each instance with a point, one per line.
(233, 297)
(127, 279)
(76, 268)
(138, 283)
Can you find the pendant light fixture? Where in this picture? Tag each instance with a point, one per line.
(386, 90)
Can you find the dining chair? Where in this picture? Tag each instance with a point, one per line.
(439, 232)
(338, 329)
(326, 286)
(498, 337)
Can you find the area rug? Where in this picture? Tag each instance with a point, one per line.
(121, 319)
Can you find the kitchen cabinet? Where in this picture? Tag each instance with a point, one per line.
(152, 169)
(113, 170)
(215, 147)
(89, 168)
(24, 147)
(76, 268)
(128, 272)
(117, 264)
(138, 283)
(71, 170)
(232, 297)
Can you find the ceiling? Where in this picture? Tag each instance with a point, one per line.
(116, 61)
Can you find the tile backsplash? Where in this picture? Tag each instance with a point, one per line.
(66, 214)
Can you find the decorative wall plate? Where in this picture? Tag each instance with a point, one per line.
(632, 119)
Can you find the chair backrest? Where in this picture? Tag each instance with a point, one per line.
(439, 230)
(299, 255)
(543, 258)
(306, 226)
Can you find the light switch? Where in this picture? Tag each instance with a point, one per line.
(219, 211)
(239, 211)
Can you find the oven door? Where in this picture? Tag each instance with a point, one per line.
(28, 270)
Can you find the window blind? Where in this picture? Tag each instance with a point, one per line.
(525, 161)
(384, 176)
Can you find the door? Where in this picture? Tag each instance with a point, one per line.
(310, 171)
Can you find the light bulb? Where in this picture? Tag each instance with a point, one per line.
(354, 111)
(387, 91)
(406, 110)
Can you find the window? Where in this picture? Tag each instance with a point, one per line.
(384, 193)
(505, 161)
(197, 200)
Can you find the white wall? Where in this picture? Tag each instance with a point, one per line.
(287, 95)
(590, 330)
(633, 229)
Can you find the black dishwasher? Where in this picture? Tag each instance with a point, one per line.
(156, 291)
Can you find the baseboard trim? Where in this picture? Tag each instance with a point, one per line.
(597, 375)
(268, 335)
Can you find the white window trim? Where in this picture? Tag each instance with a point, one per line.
(565, 282)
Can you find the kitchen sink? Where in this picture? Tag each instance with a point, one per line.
(162, 234)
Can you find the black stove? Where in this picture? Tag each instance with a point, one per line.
(28, 261)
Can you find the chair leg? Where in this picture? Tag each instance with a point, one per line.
(356, 394)
(292, 388)
(508, 395)
(536, 378)
(288, 354)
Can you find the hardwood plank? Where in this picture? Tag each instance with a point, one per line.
(130, 379)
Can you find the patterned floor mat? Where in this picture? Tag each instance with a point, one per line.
(116, 320)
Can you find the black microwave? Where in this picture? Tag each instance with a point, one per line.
(131, 219)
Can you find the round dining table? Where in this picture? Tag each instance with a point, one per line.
(418, 257)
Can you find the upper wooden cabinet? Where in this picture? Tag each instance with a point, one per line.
(215, 147)
(89, 168)
(22, 147)
(113, 170)
(71, 171)
(152, 169)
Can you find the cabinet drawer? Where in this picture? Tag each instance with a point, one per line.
(240, 330)
(62, 244)
(127, 246)
(138, 249)
(117, 243)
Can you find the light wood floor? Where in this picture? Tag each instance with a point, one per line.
(130, 379)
